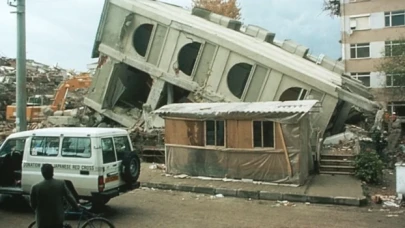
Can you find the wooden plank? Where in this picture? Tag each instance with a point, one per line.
(236, 150)
(239, 134)
(281, 135)
(184, 132)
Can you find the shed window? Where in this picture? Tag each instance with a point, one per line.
(215, 133)
(263, 134)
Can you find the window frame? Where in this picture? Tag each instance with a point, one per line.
(5, 143)
(355, 18)
(357, 75)
(115, 147)
(45, 140)
(356, 46)
(101, 147)
(392, 81)
(392, 105)
(66, 156)
(262, 136)
(388, 16)
(391, 44)
(215, 133)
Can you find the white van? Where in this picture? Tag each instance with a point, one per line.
(97, 164)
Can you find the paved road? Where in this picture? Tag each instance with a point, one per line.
(150, 208)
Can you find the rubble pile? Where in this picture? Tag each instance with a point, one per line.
(7, 128)
(41, 80)
(348, 142)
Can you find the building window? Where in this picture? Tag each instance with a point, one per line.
(215, 133)
(395, 80)
(398, 107)
(237, 78)
(360, 50)
(364, 77)
(263, 134)
(395, 18)
(188, 57)
(141, 38)
(360, 23)
(394, 48)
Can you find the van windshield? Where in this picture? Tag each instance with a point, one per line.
(16, 144)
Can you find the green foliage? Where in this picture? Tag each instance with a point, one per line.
(368, 167)
(332, 6)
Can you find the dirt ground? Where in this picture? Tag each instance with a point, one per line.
(387, 187)
(155, 208)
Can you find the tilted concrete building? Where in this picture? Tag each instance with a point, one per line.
(153, 53)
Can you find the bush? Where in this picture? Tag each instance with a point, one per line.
(368, 167)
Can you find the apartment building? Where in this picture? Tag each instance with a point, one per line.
(369, 30)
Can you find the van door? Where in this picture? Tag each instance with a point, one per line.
(122, 146)
(110, 163)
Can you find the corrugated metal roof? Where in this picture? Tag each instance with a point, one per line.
(218, 109)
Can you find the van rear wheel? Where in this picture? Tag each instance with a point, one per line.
(131, 167)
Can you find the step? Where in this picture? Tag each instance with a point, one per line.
(336, 162)
(337, 156)
(337, 166)
(336, 173)
(334, 168)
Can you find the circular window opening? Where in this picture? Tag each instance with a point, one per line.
(237, 78)
(293, 94)
(187, 57)
(141, 38)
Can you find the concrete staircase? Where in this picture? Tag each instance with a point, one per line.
(337, 164)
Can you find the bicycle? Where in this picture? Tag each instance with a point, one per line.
(91, 219)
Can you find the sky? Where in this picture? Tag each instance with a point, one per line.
(62, 31)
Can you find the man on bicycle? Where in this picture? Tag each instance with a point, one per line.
(47, 199)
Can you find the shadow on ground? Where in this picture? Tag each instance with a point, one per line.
(17, 204)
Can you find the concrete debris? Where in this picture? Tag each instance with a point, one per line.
(347, 142)
(161, 167)
(284, 203)
(42, 81)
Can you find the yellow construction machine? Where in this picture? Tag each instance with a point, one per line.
(38, 103)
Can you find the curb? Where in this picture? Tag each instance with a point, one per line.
(261, 195)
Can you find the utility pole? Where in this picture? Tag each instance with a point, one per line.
(21, 76)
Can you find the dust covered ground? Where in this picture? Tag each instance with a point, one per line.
(155, 208)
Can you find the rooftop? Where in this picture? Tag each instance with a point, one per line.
(70, 131)
(223, 109)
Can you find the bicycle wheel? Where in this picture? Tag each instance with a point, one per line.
(98, 222)
(33, 225)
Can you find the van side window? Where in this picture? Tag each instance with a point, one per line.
(44, 146)
(107, 147)
(16, 144)
(79, 147)
(121, 146)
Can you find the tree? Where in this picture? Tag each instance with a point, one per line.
(392, 65)
(228, 8)
(333, 6)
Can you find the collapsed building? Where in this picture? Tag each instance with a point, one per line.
(153, 53)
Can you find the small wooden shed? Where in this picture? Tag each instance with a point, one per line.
(261, 141)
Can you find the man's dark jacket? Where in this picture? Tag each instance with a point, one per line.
(47, 199)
